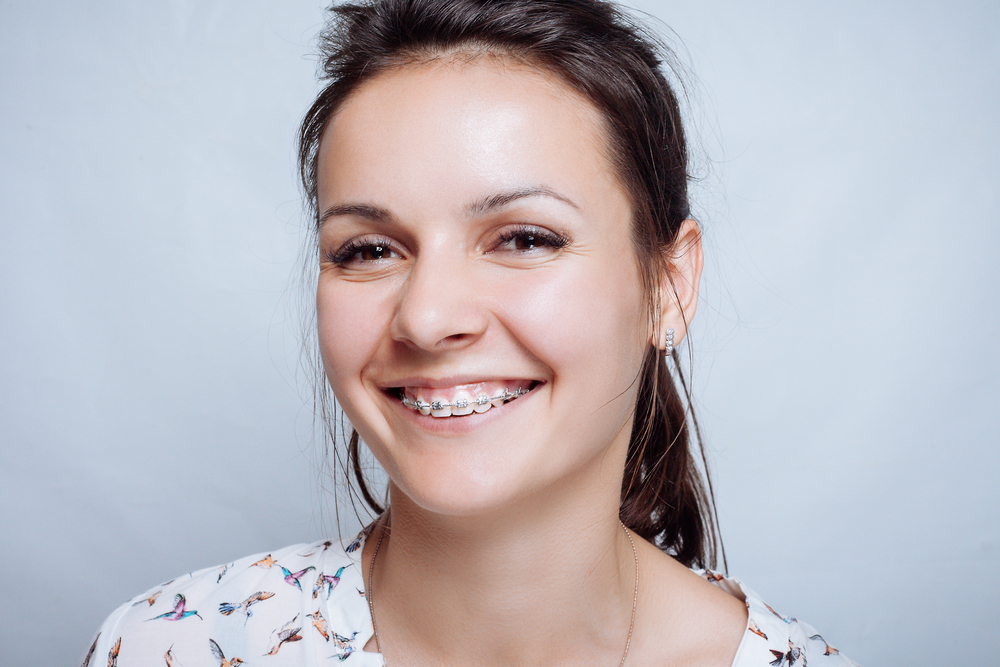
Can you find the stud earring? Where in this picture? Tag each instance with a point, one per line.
(669, 347)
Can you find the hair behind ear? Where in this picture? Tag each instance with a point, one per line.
(665, 498)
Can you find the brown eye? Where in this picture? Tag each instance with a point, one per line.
(525, 239)
(363, 251)
(525, 242)
(374, 253)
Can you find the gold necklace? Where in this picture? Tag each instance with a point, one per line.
(370, 592)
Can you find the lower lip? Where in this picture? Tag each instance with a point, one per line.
(458, 425)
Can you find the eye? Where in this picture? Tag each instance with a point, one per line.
(360, 251)
(528, 239)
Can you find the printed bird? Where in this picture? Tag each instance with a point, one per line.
(222, 572)
(786, 620)
(220, 656)
(328, 580)
(793, 655)
(113, 653)
(345, 644)
(292, 578)
(320, 624)
(754, 629)
(178, 612)
(829, 649)
(289, 632)
(90, 653)
(712, 576)
(227, 608)
(353, 546)
(265, 563)
(169, 658)
(318, 586)
(326, 545)
(151, 599)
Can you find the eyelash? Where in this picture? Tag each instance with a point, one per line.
(538, 238)
(354, 247)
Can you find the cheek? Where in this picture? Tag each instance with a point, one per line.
(582, 322)
(350, 322)
(589, 329)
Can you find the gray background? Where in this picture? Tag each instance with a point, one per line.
(154, 420)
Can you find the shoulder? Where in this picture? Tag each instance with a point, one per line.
(773, 639)
(291, 601)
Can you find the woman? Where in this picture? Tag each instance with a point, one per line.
(506, 258)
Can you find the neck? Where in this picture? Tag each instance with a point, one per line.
(522, 586)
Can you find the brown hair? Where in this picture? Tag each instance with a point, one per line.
(622, 69)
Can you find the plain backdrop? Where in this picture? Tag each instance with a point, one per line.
(154, 419)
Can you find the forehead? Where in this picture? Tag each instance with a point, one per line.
(465, 126)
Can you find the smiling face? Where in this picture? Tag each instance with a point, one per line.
(474, 241)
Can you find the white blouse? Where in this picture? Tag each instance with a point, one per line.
(305, 604)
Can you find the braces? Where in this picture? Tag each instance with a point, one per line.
(463, 403)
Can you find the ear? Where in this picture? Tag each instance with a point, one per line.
(678, 288)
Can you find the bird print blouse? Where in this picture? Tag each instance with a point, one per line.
(305, 605)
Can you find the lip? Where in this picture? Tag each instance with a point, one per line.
(452, 381)
(453, 425)
(447, 389)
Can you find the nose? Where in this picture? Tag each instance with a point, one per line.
(439, 307)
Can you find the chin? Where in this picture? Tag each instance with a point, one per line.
(455, 486)
(503, 460)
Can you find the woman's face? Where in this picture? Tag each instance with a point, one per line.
(475, 239)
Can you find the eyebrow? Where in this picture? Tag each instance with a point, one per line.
(478, 207)
(368, 211)
(493, 202)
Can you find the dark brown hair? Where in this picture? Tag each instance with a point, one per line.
(622, 69)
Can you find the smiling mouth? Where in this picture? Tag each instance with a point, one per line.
(465, 403)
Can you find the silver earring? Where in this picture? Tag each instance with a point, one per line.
(669, 348)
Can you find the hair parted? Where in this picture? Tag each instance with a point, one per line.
(622, 68)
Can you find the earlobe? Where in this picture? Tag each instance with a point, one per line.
(678, 289)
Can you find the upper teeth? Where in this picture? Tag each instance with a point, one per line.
(462, 406)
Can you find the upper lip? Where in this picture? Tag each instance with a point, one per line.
(452, 381)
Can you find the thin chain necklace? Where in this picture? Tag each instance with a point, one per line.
(371, 590)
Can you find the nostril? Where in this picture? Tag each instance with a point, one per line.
(455, 338)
